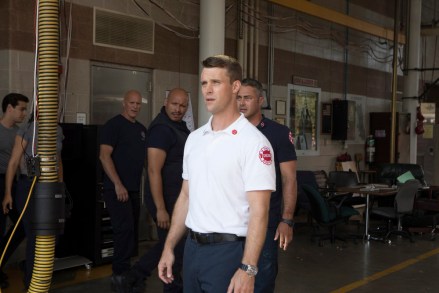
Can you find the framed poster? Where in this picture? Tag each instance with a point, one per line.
(280, 120)
(303, 118)
(281, 107)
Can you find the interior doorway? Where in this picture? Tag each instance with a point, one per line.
(110, 82)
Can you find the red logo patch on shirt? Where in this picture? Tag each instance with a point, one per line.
(234, 131)
(265, 156)
(290, 136)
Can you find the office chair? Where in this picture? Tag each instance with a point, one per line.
(326, 214)
(304, 177)
(402, 206)
(344, 179)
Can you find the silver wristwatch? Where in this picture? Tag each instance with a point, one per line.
(249, 269)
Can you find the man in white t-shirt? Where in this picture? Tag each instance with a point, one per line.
(228, 174)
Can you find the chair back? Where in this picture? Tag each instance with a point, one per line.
(321, 179)
(342, 179)
(405, 198)
(304, 177)
(388, 172)
(318, 205)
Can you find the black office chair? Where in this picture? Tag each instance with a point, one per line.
(304, 177)
(344, 179)
(403, 206)
(326, 214)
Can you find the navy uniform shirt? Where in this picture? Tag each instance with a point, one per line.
(169, 136)
(128, 140)
(282, 141)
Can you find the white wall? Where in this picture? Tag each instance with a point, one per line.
(330, 149)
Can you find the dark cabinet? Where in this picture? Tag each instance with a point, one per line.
(88, 230)
(339, 120)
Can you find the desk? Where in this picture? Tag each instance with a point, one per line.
(367, 193)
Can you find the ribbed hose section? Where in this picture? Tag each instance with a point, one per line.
(48, 52)
(43, 265)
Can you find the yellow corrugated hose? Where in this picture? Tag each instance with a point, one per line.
(48, 59)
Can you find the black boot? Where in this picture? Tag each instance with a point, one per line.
(121, 283)
(138, 281)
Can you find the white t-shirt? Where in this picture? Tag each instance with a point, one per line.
(220, 168)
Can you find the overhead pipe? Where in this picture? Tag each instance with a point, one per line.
(336, 17)
(394, 82)
(240, 32)
(256, 68)
(252, 38)
(346, 57)
(411, 79)
(245, 49)
(270, 54)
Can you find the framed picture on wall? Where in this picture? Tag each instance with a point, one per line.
(281, 107)
(303, 118)
(280, 120)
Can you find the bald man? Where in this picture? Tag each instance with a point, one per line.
(167, 136)
(122, 154)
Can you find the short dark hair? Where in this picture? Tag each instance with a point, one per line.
(234, 69)
(255, 84)
(13, 99)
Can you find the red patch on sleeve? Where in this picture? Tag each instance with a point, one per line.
(265, 156)
(290, 136)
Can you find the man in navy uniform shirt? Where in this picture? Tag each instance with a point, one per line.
(283, 200)
(122, 154)
(167, 135)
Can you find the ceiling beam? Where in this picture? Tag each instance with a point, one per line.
(340, 18)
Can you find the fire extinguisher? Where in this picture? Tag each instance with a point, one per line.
(370, 149)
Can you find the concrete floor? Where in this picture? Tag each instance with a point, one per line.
(368, 266)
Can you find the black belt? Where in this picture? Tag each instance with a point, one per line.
(211, 238)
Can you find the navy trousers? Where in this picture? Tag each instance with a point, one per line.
(267, 265)
(23, 187)
(150, 260)
(124, 220)
(210, 267)
(13, 215)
